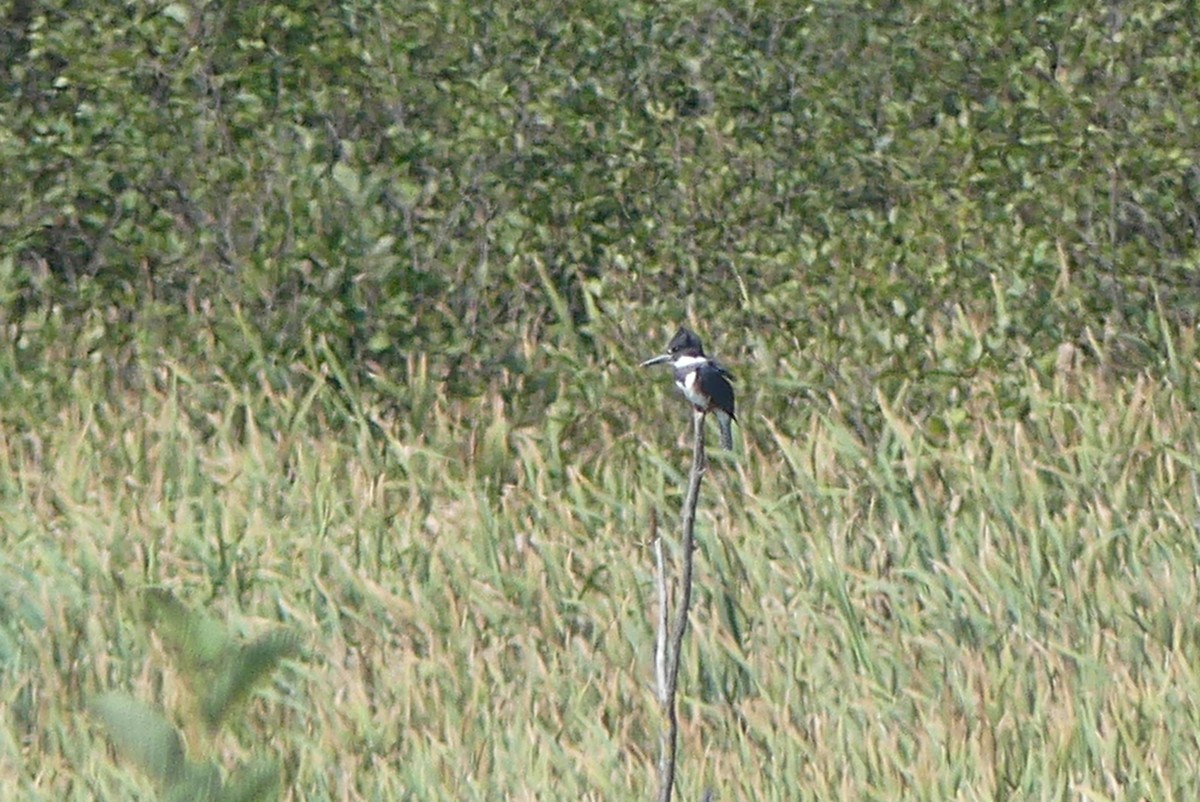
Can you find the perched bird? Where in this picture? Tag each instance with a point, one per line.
(704, 383)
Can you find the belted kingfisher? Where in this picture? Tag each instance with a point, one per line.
(704, 383)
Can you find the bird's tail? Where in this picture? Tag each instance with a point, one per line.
(725, 423)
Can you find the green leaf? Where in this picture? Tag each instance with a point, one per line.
(142, 735)
(177, 12)
(201, 782)
(197, 641)
(255, 782)
(244, 671)
(346, 178)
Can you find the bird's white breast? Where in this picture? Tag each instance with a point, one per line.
(690, 390)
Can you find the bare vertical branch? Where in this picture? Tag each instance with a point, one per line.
(670, 740)
(664, 604)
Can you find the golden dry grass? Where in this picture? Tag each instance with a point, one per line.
(1005, 609)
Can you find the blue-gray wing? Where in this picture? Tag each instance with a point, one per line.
(723, 370)
(714, 381)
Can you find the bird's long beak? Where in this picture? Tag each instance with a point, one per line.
(658, 360)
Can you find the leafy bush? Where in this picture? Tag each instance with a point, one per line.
(221, 674)
(454, 180)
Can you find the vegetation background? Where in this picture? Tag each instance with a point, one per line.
(324, 315)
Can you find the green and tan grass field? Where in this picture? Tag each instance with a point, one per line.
(1002, 610)
(322, 319)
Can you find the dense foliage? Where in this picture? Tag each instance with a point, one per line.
(455, 178)
(326, 315)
